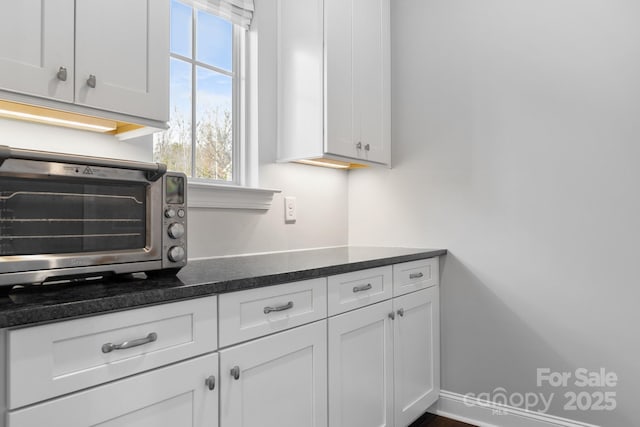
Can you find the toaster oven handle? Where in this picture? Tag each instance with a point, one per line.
(153, 171)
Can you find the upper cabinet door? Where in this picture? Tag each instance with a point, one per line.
(36, 47)
(340, 137)
(371, 83)
(357, 82)
(122, 56)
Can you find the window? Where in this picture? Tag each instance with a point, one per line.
(203, 140)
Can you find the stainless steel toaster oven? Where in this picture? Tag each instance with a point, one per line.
(68, 216)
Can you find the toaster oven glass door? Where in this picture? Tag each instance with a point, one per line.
(62, 216)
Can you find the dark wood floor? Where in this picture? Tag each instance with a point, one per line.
(430, 420)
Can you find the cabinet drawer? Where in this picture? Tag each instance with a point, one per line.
(358, 289)
(174, 396)
(50, 360)
(415, 275)
(253, 313)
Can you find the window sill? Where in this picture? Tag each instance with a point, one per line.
(215, 196)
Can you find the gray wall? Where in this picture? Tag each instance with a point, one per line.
(516, 146)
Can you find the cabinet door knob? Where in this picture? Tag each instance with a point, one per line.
(235, 372)
(359, 146)
(91, 81)
(392, 316)
(401, 312)
(62, 74)
(210, 382)
(367, 147)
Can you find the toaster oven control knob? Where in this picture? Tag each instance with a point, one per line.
(170, 213)
(176, 230)
(176, 253)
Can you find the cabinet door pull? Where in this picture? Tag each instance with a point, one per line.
(235, 372)
(210, 382)
(62, 74)
(287, 306)
(401, 312)
(109, 347)
(392, 316)
(359, 146)
(367, 147)
(415, 275)
(91, 81)
(362, 288)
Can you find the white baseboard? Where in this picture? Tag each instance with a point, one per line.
(487, 414)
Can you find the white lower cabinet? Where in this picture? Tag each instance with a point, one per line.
(361, 367)
(384, 362)
(376, 363)
(276, 381)
(416, 354)
(55, 359)
(168, 397)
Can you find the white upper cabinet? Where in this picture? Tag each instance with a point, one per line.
(36, 48)
(88, 57)
(334, 80)
(124, 45)
(357, 79)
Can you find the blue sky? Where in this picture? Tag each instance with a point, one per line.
(214, 47)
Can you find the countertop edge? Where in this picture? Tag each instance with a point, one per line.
(34, 315)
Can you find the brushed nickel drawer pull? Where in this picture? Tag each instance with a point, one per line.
(392, 316)
(362, 288)
(401, 312)
(210, 382)
(109, 347)
(235, 372)
(287, 306)
(415, 275)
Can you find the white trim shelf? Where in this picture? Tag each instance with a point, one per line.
(216, 196)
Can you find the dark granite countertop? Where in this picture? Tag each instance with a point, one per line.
(199, 278)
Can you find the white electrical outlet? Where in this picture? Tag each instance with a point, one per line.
(289, 209)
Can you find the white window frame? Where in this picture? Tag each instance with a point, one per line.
(242, 192)
(238, 96)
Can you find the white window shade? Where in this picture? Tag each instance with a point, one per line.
(240, 12)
